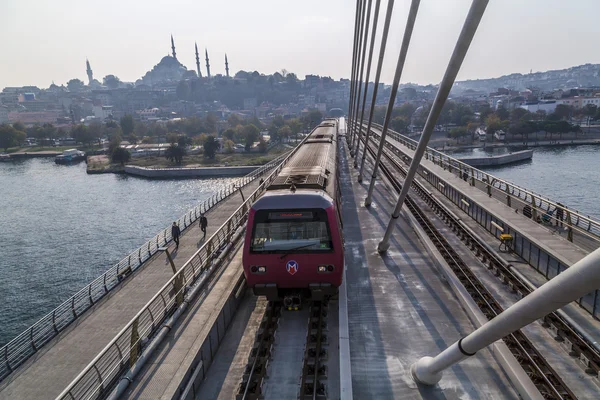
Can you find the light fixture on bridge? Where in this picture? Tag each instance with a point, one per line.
(442, 185)
(500, 228)
(466, 203)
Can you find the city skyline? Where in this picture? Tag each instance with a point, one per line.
(270, 38)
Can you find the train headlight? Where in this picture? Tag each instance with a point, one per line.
(322, 268)
(330, 268)
(262, 269)
(258, 269)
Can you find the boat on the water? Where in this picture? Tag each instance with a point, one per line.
(4, 157)
(70, 156)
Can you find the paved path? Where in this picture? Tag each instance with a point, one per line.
(46, 374)
(400, 309)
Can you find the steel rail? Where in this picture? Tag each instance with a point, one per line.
(581, 344)
(543, 375)
(311, 366)
(251, 386)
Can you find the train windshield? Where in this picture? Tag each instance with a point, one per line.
(304, 231)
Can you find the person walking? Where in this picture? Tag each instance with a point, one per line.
(175, 232)
(203, 224)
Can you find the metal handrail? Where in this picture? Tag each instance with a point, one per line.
(49, 326)
(585, 225)
(101, 372)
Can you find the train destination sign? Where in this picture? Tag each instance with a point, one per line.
(291, 215)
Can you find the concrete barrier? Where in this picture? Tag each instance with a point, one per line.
(201, 172)
(502, 159)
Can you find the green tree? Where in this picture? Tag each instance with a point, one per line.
(284, 132)
(111, 81)
(10, 137)
(95, 130)
(82, 134)
(484, 111)
(234, 119)
(295, 126)
(229, 133)
(313, 118)
(589, 111)
(520, 114)
(251, 134)
(210, 122)
(278, 121)
(19, 126)
(502, 113)
(175, 153)
(120, 155)
(458, 133)
(229, 147)
(75, 85)
(399, 124)
(127, 125)
(563, 111)
(211, 145)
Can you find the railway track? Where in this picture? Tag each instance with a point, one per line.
(577, 344)
(251, 387)
(314, 371)
(548, 382)
(312, 381)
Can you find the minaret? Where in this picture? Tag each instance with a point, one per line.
(89, 72)
(226, 66)
(173, 47)
(207, 64)
(198, 61)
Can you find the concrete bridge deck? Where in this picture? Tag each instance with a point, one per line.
(400, 309)
(50, 370)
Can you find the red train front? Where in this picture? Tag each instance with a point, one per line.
(293, 247)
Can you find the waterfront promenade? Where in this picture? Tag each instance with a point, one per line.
(50, 370)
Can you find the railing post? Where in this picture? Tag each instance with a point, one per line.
(31, 339)
(54, 321)
(534, 208)
(99, 378)
(104, 281)
(73, 307)
(140, 256)
(149, 254)
(507, 195)
(6, 359)
(90, 293)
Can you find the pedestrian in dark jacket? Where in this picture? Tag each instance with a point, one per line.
(203, 224)
(175, 232)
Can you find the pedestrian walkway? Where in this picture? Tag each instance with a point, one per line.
(51, 370)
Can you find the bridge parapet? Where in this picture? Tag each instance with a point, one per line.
(586, 226)
(49, 326)
(125, 349)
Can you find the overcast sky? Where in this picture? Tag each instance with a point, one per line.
(45, 41)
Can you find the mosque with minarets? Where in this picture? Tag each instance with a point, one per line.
(170, 69)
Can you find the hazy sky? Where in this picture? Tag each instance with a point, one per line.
(45, 41)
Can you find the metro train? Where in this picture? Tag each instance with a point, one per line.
(293, 249)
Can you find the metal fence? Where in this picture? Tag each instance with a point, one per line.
(581, 229)
(124, 349)
(30, 341)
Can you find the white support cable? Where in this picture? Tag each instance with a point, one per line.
(460, 51)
